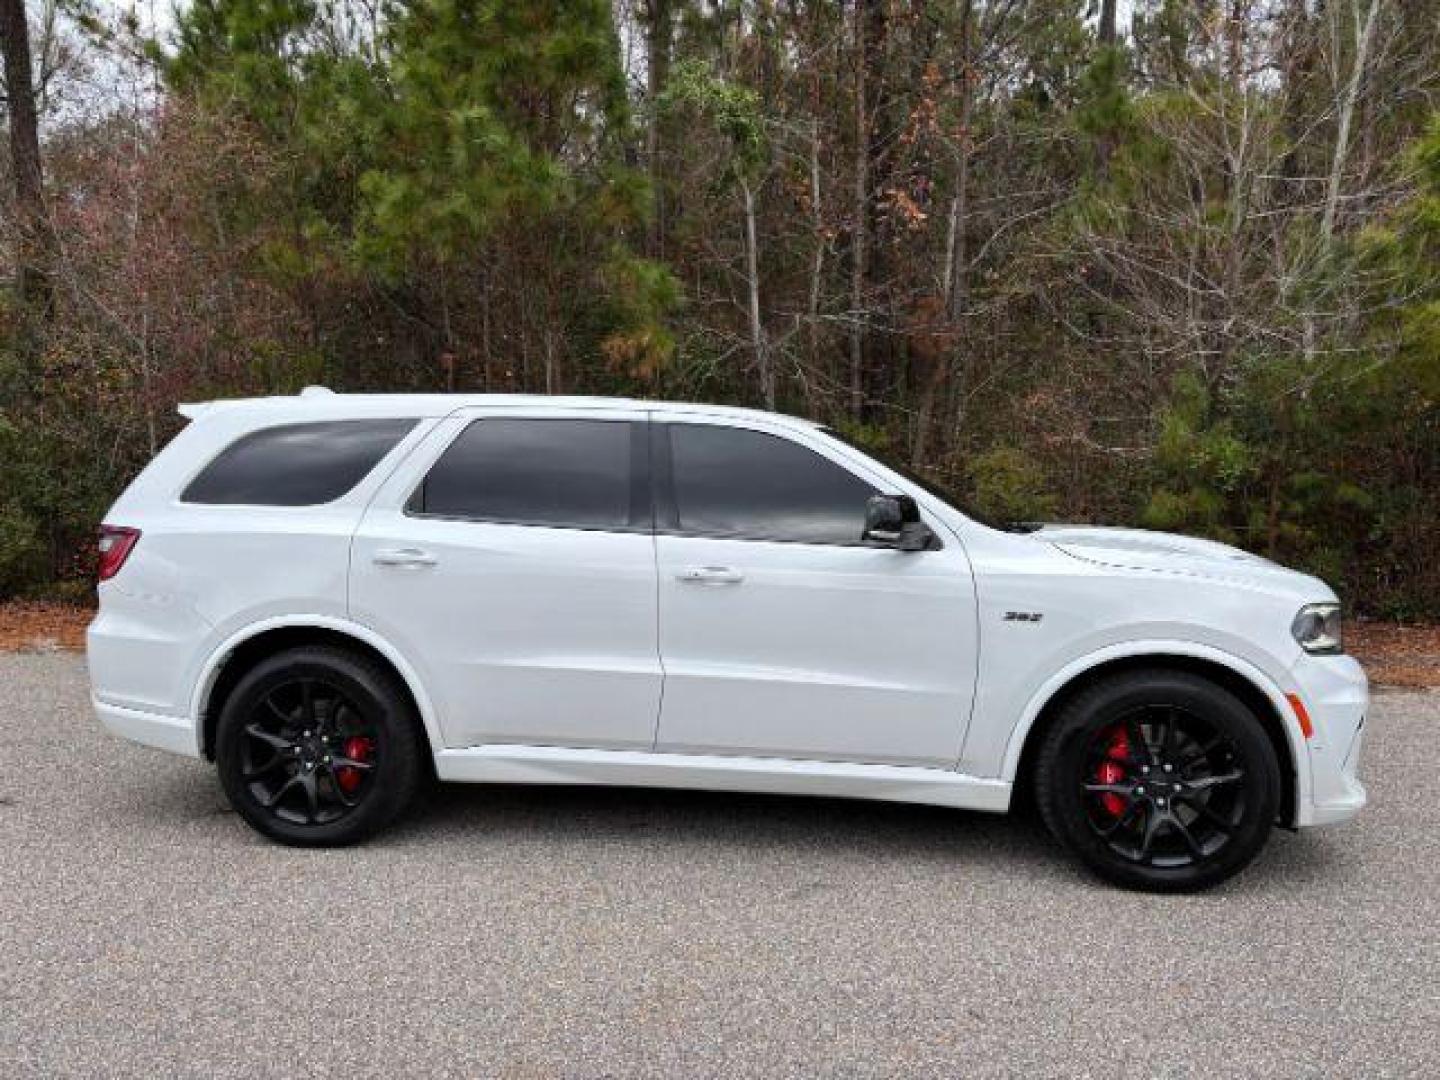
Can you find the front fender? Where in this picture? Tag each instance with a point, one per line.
(1273, 690)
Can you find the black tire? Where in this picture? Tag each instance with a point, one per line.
(320, 700)
(1105, 792)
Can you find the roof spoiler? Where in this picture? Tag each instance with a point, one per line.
(193, 410)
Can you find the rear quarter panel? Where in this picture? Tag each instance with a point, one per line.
(201, 574)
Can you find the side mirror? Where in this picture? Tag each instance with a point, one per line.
(893, 521)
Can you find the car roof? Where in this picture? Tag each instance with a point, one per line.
(319, 402)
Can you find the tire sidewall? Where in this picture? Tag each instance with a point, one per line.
(373, 695)
(1064, 760)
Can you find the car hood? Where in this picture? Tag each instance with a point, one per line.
(1140, 549)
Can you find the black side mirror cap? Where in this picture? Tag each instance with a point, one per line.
(893, 521)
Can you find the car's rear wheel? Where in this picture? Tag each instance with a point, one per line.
(318, 746)
(1159, 780)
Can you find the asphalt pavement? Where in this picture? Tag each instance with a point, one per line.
(519, 932)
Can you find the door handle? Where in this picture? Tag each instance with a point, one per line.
(711, 575)
(412, 558)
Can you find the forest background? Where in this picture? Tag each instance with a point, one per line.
(1171, 263)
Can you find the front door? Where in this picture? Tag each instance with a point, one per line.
(781, 634)
(511, 560)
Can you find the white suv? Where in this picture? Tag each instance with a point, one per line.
(330, 595)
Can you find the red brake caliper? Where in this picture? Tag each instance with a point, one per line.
(357, 748)
(1112, 771)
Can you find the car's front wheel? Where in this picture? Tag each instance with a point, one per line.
(1159, 780)
(318, 746)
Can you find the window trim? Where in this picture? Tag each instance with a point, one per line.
(182, 490)
(641, 508)
(667, 509)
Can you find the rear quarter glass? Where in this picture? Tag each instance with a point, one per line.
(296, 464)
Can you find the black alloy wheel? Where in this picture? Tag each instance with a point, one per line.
(319, 746)
(1159, 780)
(1164, 787)
(308, 755)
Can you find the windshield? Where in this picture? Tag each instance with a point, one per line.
(941, 492)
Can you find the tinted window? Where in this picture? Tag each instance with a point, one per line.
(734, 482)
(536, 472)
(296, 464)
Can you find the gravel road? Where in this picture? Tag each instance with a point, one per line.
(144, 930)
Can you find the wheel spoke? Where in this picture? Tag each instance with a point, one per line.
(1193, 759)
(307, 700)
(340, 761)
(1172, 729)
(341, 716)
(312, 795)
(1127, 790)
(1186, 835)
(284, 716)
(277, 742)
(1205, 783)
(1202, 807)
(280, 792)
(1136, 731)
(1153, 821)
(1121, 821)
(338, 789)
(257, 771)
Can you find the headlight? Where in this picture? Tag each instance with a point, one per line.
(1317, 629)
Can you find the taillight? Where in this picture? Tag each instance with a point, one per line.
(116, 543)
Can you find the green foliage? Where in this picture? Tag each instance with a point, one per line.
(641, 294)
(873, 437)
(244, 51)
(733, 110)
(1011, 486)
(1148, 322)
(466, 137)
(1105, 110)
(21, 556)
(1201, 464)
(1291, 461)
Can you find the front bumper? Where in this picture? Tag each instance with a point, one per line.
(1337, 695)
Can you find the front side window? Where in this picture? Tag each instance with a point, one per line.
(569, 473)
(296, 464)
(746, 484)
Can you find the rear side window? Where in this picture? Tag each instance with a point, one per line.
(746, 484)
(296, 464)
(567, 473)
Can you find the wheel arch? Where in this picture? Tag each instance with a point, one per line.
(1247, 682)
(247, 647)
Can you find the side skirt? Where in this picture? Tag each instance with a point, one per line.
(503, 763)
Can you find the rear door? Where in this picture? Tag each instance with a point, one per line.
(512, 561)
(782, 634)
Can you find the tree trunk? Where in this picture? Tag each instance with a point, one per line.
(1363, 38)
(1107, 22)
(34, 239)
(957, 256)
(957, 253)
(1351, 94)
(860, 212)
(658, 35)
(817, 261)
(752, 281)
(1235, 42)
(1298, 45)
